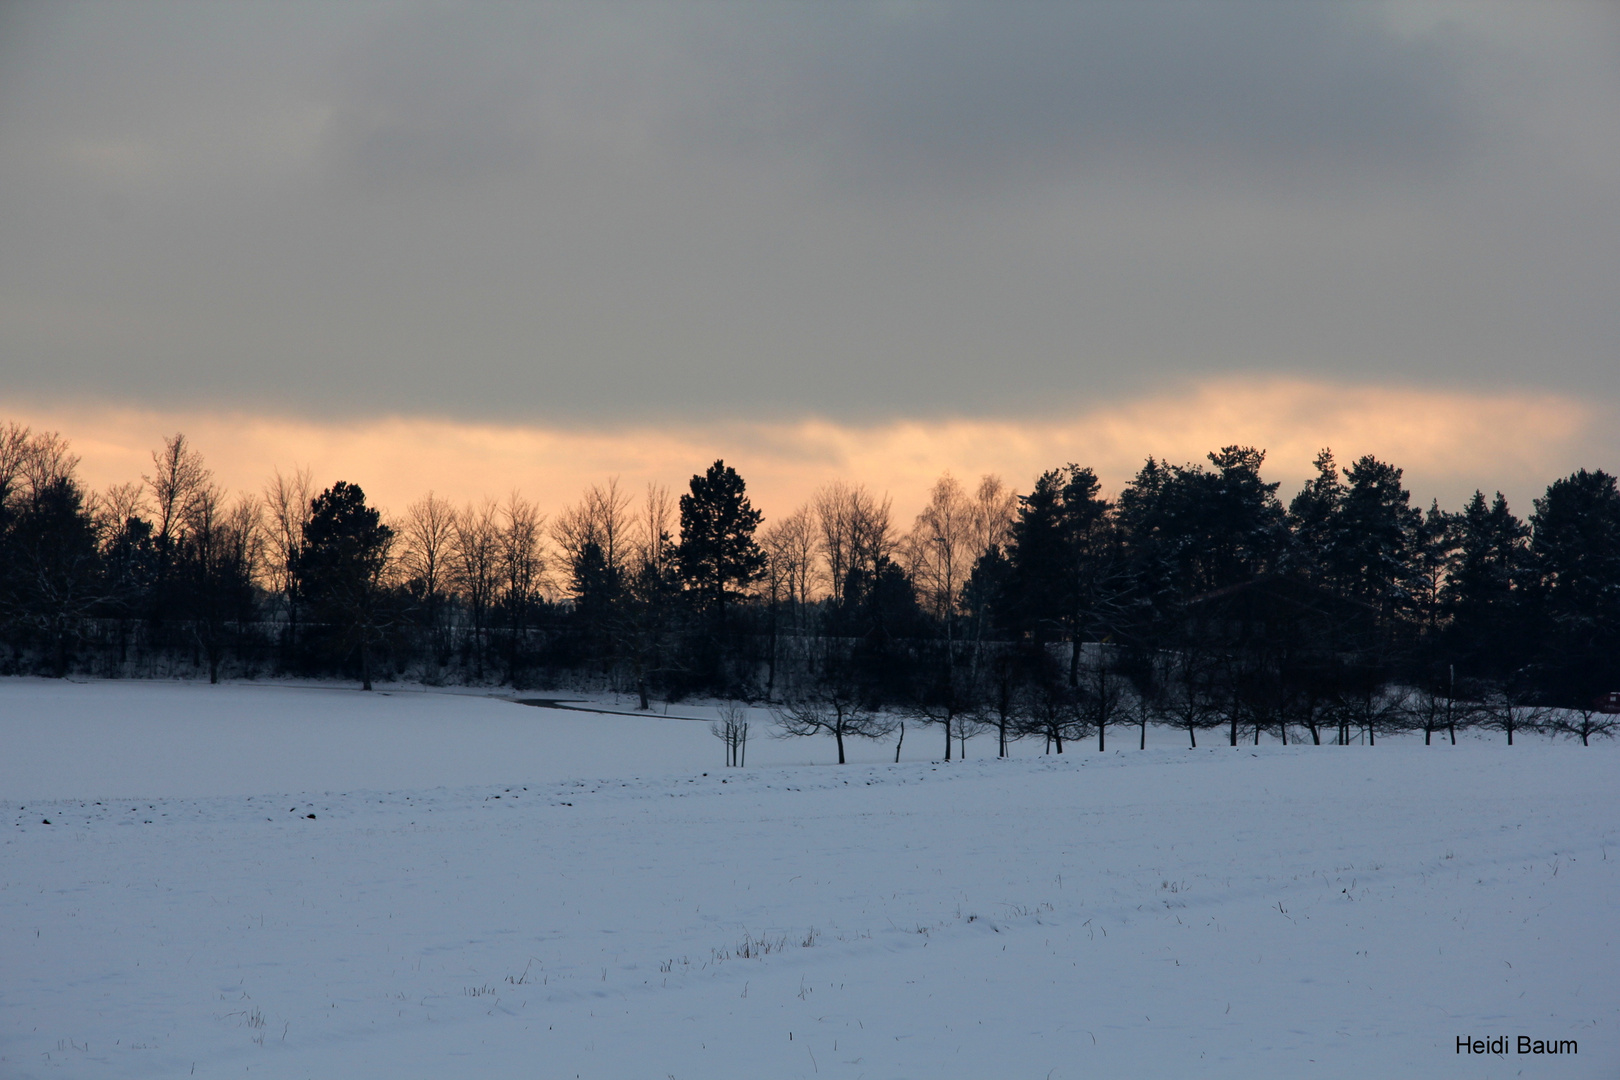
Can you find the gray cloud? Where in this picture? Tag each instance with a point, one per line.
(953, 91)
(583, 212)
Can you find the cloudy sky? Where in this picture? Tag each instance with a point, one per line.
(482, 246)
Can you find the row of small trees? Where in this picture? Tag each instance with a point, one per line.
(1194, 596)
(1108, 700)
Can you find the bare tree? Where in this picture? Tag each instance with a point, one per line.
(856, 532)
(1185, 691)
(477, 558)
(640, 628)
(178, 479)
(830, 710)
(1104, 694)
(994, 508)
(941, 549)
(1429, 709)
(602, 517)
(1509, 711)
(732, 729)
(113, 508)
(1048, 708)
(218, 550)
(871, 531)
(46, 460)
(1583, 723)
(287, 502)
(429, 533)
(655, 538)
(522, 568)
(789, 545)
(998, 705)
(1370, 706)
(833, 521)
(16, 441)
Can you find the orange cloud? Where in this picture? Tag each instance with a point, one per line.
(1448, 442)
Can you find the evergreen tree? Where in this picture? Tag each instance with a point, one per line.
(341, 566)
(1192, 530)
(50, 566)
(1245, 530)
(597, 586)
(1439, 536)
(1313, 517)
(1484, 592)
(1358, 536)
(1377, 537)
(718, 556)
(1067, 567)
(1576, 545)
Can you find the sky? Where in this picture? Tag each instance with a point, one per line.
(481, 247)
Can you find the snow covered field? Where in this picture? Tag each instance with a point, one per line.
(287, 882)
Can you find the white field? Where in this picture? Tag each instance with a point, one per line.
(486, 889)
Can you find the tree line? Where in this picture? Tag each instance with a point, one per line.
(1194, 598)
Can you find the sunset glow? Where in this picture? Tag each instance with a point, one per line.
(1448, 443)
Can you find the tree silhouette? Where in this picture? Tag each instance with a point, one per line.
(718, 557)
(341, 566)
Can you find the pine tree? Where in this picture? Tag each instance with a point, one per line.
(1576, 544)
(1192, 530)
(1372, 538)
(718, 556)
(1483, 595)
(1068, 570)
(341, 566)
(50, 568)
(1313, 517)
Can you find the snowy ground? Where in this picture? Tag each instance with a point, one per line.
(291, 882)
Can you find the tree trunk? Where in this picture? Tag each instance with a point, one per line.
(947, 736)
(898, 743)
(1192, 733)
(770, 678)
(1234, 727)
(1143, 745)
(838, 733)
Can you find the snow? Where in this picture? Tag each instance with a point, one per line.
(485, 887)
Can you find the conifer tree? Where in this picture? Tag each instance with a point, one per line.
(718, 556)
(1484, 593)
(341, 565)
(1576, 544)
